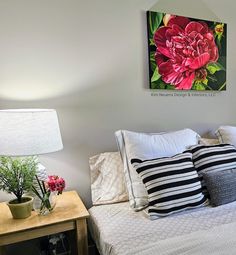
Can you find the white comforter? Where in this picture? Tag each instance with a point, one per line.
(216, 241)
(118, 230)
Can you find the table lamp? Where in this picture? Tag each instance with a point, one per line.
(27, 132)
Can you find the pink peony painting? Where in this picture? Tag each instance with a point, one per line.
(186, 53)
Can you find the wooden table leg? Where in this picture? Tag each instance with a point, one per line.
(2, 250)
(81, 237)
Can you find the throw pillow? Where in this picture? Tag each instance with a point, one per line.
(107, 179)
(146, 146)
(226, 134)
(221, 186)
(172, 184)
(213, 157)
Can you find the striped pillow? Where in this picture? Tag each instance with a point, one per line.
(213, 157)
(172, 184)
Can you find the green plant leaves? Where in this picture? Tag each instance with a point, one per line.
(214, 67)
(159, 84)
(17, 174)
(155, 19)
(156, 76)
(153, 65)
(198, 86)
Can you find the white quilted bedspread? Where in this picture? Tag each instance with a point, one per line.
(120, 231)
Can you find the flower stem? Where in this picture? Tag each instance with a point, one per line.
(40, 186)
(222, 86)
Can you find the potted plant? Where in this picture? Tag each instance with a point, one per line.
(16, 177)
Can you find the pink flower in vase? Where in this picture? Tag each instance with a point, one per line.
(44, 193)
(56, 183)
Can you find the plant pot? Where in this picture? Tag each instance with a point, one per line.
(21, 210)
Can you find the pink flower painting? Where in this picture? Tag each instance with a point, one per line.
(186, 53)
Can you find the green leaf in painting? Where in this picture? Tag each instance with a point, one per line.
(153, 64)
(221, 66)
(198, 86)
(162, 85)
(155, 19)
(218, 31)
(205, 82)
(222, 61)
(159, 84)
(222, 87)
(212, 78)
(170, 87)
(152, 56)
(152, 42)
(219, 37)
(156, 76)
(154, 85)
(214, 67)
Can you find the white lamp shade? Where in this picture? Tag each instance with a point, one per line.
(26, 132)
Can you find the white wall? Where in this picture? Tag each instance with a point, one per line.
(88, 60)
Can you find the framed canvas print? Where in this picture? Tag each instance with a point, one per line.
(186, 53)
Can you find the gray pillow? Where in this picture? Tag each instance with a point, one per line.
(221, 186)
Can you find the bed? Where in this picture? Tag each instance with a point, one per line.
(139, 226)
(118, 230)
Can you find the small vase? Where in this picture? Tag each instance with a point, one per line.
(45, 206)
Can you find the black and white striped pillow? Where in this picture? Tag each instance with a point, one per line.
(213, 157)
(172, 184)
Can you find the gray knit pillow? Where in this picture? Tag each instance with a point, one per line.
(221, 186)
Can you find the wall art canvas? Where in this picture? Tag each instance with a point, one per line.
(186, 53)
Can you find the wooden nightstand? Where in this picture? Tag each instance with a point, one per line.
(69, 214)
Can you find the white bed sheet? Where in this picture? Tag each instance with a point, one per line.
(117, 230)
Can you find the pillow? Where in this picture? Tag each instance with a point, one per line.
(221, 186)
(213, 157)
(208, 141)
(172, 184)
(146, 146)
(226, 134)
(107, 179)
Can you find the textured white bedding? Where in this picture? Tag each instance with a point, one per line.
(118, 230)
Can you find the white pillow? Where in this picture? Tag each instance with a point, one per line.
(107, 179)
(148, 146)
(209, 141)
(226, 134)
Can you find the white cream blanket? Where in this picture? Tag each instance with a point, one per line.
(219, 240)
(118, 230)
